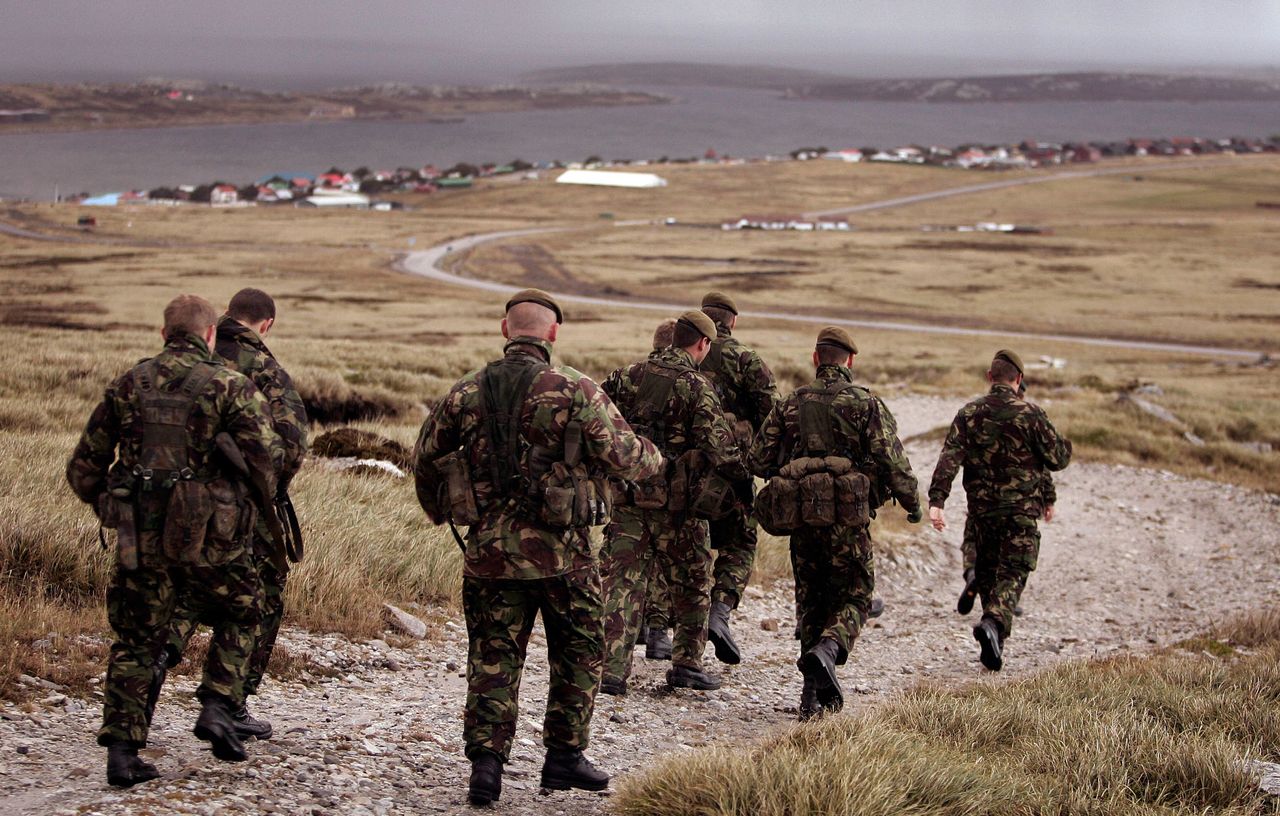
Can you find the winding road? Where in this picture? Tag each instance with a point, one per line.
(431, 263)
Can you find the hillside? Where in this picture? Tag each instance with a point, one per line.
(642, 74)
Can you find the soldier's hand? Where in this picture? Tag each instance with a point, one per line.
(937, 519)
(1048, 513)
(915, 516)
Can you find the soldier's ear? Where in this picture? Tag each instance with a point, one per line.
(504, 329)
(815, 358)
(555, 330)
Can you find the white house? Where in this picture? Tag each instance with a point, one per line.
(606, 178)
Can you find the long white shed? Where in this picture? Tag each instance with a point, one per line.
(606, 178)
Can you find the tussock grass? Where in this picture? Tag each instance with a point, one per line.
(1157, 735)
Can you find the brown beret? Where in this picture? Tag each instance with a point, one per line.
(1011, 358)
(700, 323)
(838, 337)
(719, 300)
(539, 297)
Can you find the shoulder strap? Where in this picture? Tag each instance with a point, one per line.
(653, 394)
(504, 387)
(165, 415)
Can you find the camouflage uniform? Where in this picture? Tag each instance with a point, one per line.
(833, 567)
(969, 546)
(693, 420)
(1004, 444)
(244, 351)
(221, 579)
(657, 600)
(747, 393)
(515, 566)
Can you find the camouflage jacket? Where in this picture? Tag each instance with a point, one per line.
(864, 429)
(507, 542)
(692, 419)
(742, 381)
(1004, 444)
(244, 351)
(112, 439)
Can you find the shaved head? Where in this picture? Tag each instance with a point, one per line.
(530, 320)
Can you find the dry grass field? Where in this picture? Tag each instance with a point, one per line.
(1128, 258)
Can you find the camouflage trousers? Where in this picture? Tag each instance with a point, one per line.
(140, 608)
(657, 599)
(500, 615)
(185, 621)
(1007, 550)
(633, 542)
(734, 540)
(835, 577)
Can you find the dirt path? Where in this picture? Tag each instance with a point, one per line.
(1136, 559)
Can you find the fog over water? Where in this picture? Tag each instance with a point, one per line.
(737, 122)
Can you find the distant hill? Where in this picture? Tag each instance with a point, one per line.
(641, 74)
(800, 84)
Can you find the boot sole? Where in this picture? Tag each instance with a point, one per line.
(965, 605)
(130, 781)
(726, 651)
(222, 744)
(991, 657)
(561, 784)
(692, 684)
(478, 797)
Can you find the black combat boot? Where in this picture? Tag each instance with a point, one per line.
(247, 726)
(965, 605)
(819, 665)
(720, 636)
(486, 779)
(657, 644)
(876, 609)
(125, 768)
(570, 769)
(988, 636)
(216, 727)
(613, 687)
(686, 677)
(809, 707)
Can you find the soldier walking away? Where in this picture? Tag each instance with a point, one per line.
(250, 316)
(667, 400)
(747, 393)
(147, 462)
(832, 455)
(519, 452)
(1004, 444)
(969, 546)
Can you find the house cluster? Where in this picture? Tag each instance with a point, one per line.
(8, 116)
(799, 223)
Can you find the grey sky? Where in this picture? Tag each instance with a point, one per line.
(282, 42)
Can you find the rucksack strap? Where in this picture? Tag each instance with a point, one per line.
(653, 394)
(165, 454)
(504, 387)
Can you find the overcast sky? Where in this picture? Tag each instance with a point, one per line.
(292, 42)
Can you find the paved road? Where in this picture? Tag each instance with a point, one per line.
(430, 263)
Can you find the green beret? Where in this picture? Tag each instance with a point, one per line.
(838, 337)
(539, 297)
(1011, 358)
(720, 300)
(700, 323)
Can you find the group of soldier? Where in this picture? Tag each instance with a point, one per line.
(528, 456)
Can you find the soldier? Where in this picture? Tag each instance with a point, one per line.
(493, 455)
(250, 315)
(1048, 496)
(1004, 445)
(146, 463)
(747, 393)
(834, 571)
(666, 399)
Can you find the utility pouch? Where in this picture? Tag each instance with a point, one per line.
(818, 500)
(651, 493)
(685, 476)
(853, 508)
(571, 498)
(115, 513)
(231, 524)
(459, 498)
(188, 516)
(778, 506)
(714, 498)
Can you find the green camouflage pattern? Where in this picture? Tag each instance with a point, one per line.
(969, 546)
(223, 584)
(506, 543)
(639, 545)
(693, 421)
(734, 539)
(864, 431)
(1008, 547)
(243, 350)
(500, 615)
(835, 578)
(1004, 444)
